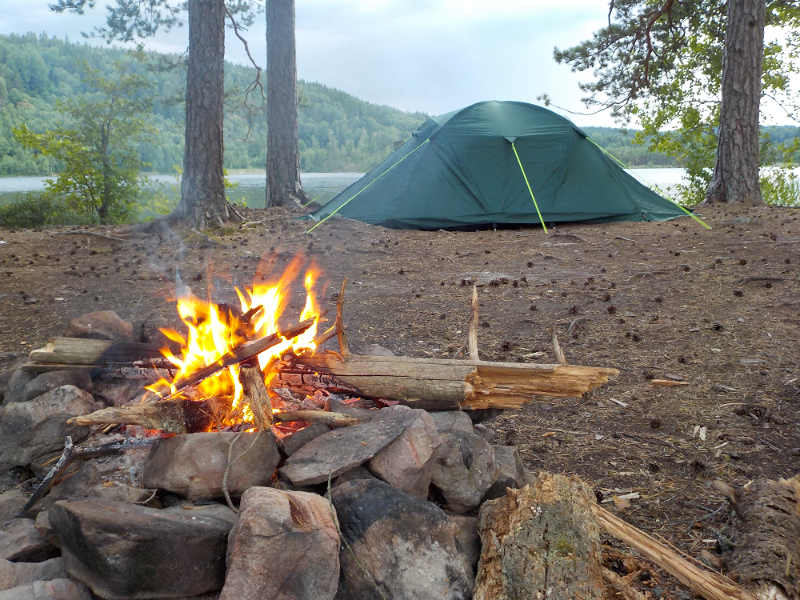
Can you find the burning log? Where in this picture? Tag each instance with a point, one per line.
(173, 416)
(243, 353)
(446, 384)
(255, 395)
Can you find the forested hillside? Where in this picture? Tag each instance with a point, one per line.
(338, 132)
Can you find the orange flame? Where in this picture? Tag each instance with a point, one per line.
(214, 331)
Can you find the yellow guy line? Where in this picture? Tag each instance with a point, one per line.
(513, 147)
(366, 186)
(624, 166)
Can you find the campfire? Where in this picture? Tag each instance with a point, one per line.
(221, 337)
(358, 473)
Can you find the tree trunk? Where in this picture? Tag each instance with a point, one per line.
(203, 200)
(102, 212)
(736, 169)
(283, 152)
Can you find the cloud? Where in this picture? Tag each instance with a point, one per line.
(417, 55)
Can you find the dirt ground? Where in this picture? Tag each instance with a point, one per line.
(715, 309)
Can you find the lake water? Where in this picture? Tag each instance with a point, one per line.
(320, 186)
(250, 186)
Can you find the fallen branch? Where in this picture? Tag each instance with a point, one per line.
(709, 585)
(622, 585)
(448, 384)
(473, 326)
(668, 382)
(333, 419)
(69, 456)
(344, 346)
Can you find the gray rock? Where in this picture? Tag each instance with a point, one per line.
(119, 391)
(13, 574)
(15, 388)
(42, 524)
(352, 475)
(407, 545)
(292, 443)
(193, 465)
(20, 542)
(124, 551)
(528, 477)
(407, 462)
(11, 502)
(464, 470)
(485, 432)
(466, 531)
(284, 546)
(29, 430)
(57, 589)
(342, 449)
(45, 382)
(512, 473)
(449, 420)
(101, 325)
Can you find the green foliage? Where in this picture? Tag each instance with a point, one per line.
(338, 132)
(660, 63)
(780, 187)
(37, 209)
(101, 176)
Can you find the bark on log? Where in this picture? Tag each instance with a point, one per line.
(709, 585)
(767, 554)
(173, 416)
(540, 542)
(445, 384)
(83, 351)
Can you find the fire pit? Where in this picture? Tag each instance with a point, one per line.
(355, 476)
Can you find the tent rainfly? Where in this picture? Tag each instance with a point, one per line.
(496, 163)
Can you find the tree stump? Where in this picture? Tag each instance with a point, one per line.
(540, 541)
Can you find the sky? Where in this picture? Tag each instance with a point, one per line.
(431, 56)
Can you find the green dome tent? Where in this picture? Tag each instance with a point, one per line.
(497, 163)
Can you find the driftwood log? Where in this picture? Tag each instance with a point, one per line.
(446, 384)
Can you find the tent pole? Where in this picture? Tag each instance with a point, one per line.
(513, 147)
